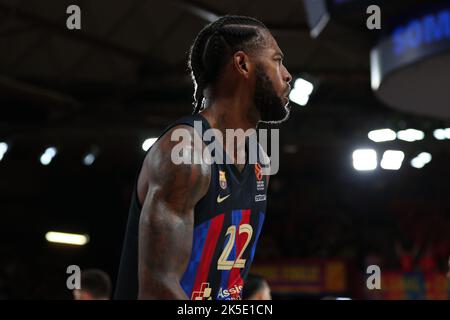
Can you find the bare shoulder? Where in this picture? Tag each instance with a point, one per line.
(170, 165)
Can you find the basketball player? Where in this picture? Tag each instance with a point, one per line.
(192, 228)
(448, 271)
(256, 288)
(95, 285)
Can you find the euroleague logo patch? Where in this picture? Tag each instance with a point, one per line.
(259, 177)
(258, 172)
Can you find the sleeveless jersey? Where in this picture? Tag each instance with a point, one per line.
(227, 224)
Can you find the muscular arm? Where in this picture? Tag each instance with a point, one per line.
(167, 219)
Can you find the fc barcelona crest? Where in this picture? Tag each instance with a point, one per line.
(222, 179)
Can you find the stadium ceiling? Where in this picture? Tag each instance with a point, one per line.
(125, 71)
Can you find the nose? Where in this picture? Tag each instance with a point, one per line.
(288, 77)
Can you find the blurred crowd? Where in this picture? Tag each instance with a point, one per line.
(401, 231)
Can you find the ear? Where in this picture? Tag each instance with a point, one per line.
(242, 64)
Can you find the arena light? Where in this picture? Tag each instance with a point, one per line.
(410, 135)
(67, 238)
(301, 91)
(447, 133)
(382, 135)
(48, 156)
(365, 159)
(148, 143)
(375, 70)
(441, 134)
(392, 160)
(421, 160)
(89, 159)
(3, 149)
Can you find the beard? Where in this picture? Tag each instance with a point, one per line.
(270, 106)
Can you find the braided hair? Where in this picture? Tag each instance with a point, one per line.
(214, 44)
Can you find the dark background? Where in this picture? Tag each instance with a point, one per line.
(123, 77)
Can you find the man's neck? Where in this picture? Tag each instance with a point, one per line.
(223, 114)
(227, 114)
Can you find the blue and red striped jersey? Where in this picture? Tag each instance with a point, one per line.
(227, 225)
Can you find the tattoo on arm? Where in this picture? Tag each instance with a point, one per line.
(167, 220)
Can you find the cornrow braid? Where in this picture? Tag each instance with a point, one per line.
(214, 44)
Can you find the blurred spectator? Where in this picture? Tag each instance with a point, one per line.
(427, 262)
(406, 256)
(256, 288)
(95, 285)
(448, 271)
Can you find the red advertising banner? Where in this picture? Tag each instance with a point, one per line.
(333, 276)
(312, 276)
(412, 286)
